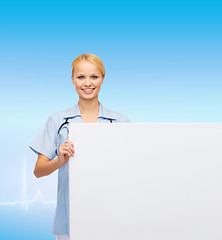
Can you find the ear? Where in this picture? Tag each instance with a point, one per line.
(73, 80)
(103, 79)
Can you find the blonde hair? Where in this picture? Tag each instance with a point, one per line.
(92, 58)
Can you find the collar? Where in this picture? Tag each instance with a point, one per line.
(103, 112)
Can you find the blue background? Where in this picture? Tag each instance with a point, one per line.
(163, 64)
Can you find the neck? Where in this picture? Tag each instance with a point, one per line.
(88, 106)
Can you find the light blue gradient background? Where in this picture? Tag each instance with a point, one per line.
(163, 63)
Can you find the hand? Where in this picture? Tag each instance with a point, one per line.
(66, 150)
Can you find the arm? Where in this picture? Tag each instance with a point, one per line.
(44, 166)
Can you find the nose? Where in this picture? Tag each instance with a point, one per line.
(87, 82)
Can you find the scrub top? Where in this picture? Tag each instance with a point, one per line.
(47, 143)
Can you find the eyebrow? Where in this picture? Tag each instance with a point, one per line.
(84, 74)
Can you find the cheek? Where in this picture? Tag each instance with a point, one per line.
(78, 84)
(98, 84)
(77, 88)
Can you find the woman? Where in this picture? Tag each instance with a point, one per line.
(52, 146)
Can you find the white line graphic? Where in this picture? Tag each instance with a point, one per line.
(24, 202)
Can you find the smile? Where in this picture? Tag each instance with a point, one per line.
(88, 90)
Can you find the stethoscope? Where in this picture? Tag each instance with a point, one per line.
(67, 122)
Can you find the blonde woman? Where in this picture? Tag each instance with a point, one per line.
(51, 144)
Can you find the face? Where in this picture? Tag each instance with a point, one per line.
(87, 80)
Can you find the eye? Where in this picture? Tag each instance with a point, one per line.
(80, 77)
(94, 77)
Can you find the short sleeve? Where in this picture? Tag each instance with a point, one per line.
(46, 141)
(124, 119)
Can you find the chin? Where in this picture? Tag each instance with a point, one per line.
(88, 97)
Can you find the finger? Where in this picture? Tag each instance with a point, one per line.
(68, 146)
(65, 153)
(67, 149)
(69, 142)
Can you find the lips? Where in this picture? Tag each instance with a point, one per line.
(88, 90)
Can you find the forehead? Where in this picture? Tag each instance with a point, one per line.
(85, 67)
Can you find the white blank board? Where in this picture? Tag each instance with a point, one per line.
(146, 181)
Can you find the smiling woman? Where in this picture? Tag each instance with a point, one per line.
(52, 144)
(87, 80)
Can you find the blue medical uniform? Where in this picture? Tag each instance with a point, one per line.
(47, 143)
